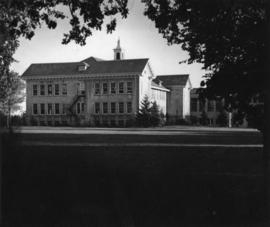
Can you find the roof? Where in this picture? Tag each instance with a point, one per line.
(153, 84)
(96, 66)
(168, 80)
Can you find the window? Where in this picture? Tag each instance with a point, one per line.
(105, 107)
(35, 108)
(64, 89)
(118, 56)
(42, 89)
(121, 88)
(78, 108)
(97, 107)
(210, 106)
(56, 89)
(82, 88)
(105, 88)
(129, 87)
(193, 105)
(49, 89)
(113, 107)
(56, 108)
(113, 90)
(35, 89)
(97, 88)
(201, 106)
(82, 107)
(50, 108)
(42, 108)
(121, 107)
(129, 107)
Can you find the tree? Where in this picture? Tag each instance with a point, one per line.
(12, 95)
(230, 39)
(155, 114)
(143, 117)
(227, 37)
(21, 18)
(204, 118)
(222, 118)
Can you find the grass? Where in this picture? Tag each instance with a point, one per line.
(130, 186)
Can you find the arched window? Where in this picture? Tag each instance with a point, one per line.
(118, 56)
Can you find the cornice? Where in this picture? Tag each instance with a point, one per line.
(82, 76)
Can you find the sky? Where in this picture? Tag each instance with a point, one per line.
(139, 39)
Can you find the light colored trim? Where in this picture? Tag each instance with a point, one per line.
(82, 76)
(159, 88)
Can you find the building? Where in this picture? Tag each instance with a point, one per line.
(212, 108)
(100, 92)
(178, 97)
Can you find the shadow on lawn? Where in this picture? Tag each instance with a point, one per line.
(154, 186)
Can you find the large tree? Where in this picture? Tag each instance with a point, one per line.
(13, 94)
(227, 36)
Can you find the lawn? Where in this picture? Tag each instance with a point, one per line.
(132, 186)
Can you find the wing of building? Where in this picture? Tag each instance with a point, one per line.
(100, 92)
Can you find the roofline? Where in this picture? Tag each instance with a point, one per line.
(160, 88)
(80, 75)
(173, 75)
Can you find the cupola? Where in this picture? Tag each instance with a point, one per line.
(118, 52)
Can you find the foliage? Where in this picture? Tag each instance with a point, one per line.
(227, 37)
(155, 115)
(222, 119)
(149, 115)
(143, 117)
(194, 120)
(255, 116)
(22, 18)
(12, 94)
(204, 118)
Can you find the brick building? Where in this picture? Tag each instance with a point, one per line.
(99, 92)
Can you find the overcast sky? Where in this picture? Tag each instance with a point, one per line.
(138, 35)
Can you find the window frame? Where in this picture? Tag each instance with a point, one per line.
(48, 110)
(35, 91)
(104, 104)
(64, 89)
(78, 108)
(121, 104)
(114, 89)
(58, 108)
(35, 112)
(129, 107)
(97, 104)
(121, 91)
(105, 91)
(97, 88)
(58, 89)
(50, 92)
(42, 107)
(129, 87)
(113, 104)
(42, 90)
